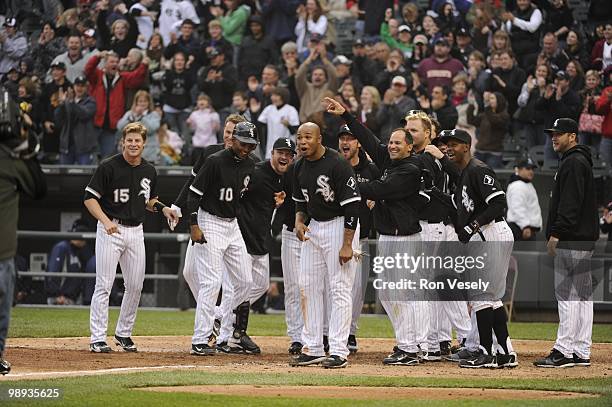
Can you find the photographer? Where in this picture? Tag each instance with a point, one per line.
(19, 173)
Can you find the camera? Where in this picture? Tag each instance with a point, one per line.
(14, 129)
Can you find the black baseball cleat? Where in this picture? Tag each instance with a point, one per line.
(431, 356)
(202, 349)
(462, 354)
(99, 347)
(223, 347)
(334, 362)
(578, 361)
(445, 348)
(352, 344)
(554, 359)
(244, 344)
(325, 343)
(483, 360)
(306, 360)
(216, 331)
(125, 343)
(401, 358)
(5, 366)
(295, 348)
(509, 360)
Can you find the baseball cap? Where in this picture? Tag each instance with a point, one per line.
(525, 163)
(10, 22)
(90, 32)
(80, 80)
(341, 59)
(399, 79)
(420, 39)
(463, 32)
(58, 65)
(214, 52)
(403, 28)
(188, 21)
(344, 129)
(441, 41)
(563, 125)
(461, 136)
(316, 37)
(12, 69)
(561, 75)
(358, 43)
(284, 144)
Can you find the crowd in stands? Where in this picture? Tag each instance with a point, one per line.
(502, 70)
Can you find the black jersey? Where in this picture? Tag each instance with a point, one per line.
(122, 189)
(476, 187)
(257, 206)
(365, 171)
(181, 199)
(221, 182)
(434, 211)
(325, 185)
(287, 209)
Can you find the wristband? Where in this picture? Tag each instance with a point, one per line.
(193, 219)
(158, 206)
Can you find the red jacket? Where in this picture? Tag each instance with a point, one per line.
(597, 54)
(121, 82)
(603, 107)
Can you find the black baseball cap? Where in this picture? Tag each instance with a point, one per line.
(284, 144)
(561, 75)
(358, 43)
(463, 32)
(214, 52)
(525, 163)
(81, 80)
(456, 134)
(58, 65)
(563, 125)
(441, 41)
(10, 22)
(344, 129)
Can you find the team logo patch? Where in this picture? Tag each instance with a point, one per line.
(245, 185)
(351, 183)
(145, 184)
(488, 180)
(466, 201)
(324, 188)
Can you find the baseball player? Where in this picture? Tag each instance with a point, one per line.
(480, 203)
(365, 171)
(213, 206)
(119, 191)
(257, 205)
(571, 231)
(396, 194)
(327, 195)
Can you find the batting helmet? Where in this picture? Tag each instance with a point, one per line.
(246, 132)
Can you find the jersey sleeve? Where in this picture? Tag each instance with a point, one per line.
(263, 117)
(154, 183)
(486, 182)
(297, 194)
(346, 187)
(98, 183)
(294, 117)
(204, 178)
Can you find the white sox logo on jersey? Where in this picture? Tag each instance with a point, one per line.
(466, 201)
(245, 185)
(145, 184)
(351, 183)
(324, 189)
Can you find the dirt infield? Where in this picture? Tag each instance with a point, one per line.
(31, 358)
(371, 393)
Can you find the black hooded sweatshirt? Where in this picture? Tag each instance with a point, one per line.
(572, 215)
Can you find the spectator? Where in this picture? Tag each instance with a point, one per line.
(524, 29)
(478, 76)
(464, 46)
(155, 54)
(459, 98)
(430, 27)
(374, 15)
(446, 19)
(557, 58)
(73, 119)
(70, 256)
(186, 43)
(143, 111)
(403, 42)
(129, 64)
(123, 34)
(381, 55)
(321, 79)
(172, 14)
(589, 95)
(528, 122)
(576, 76)
(281, 120)
(559, 19)
(605, 225)
(240, 105)
(348, 97)
(49, 100)
(576, 49)
(501, 42)
(145, 19)
(558, 101)
(343, 71)
(484, 25)
(440, 68)
(280, 19)
(363, 67)
(205, 123)
(270, 79)
(410, 17)
(493, 124)
(73, 59)
(601, 55)
(603, 107)
(395, 67)
(13, 46)
(233, 23)
(394, 106)
(441, 107)
(421, 51)
(218, 80)
(108, 87)
(28, 93)
(257, 50)
(176, 95)
(11, 82)
(369, 104)
(216, 41)
(316, 41)
(90, 43)
(507, 79)
(524, 214)
(46, 48)
(289, 63)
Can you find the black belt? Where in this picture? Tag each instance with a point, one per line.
(500, 219)
(125, 222)
(289, 228)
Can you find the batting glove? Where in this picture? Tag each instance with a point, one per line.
(468, 231)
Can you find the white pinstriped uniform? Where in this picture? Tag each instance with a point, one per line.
(126, 248)
(189, 270)
(320, 261)
(291, 250)
(225, 247)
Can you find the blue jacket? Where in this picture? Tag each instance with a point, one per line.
(75, 260)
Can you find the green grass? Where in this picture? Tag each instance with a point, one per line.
(118, 389)
(54, 322)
